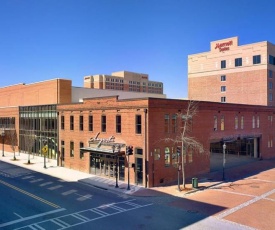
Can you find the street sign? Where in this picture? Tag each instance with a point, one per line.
(45, 149)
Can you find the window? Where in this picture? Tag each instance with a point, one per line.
(270, 85)
(174, 157)
(223, 88)
(103, 123)
(270, 118)
(271, 60)
(253, 122)
(62, 122)
(156, 154)
(215, 123)
(62, 150)
(242, 122)
(91, 126)
(166, 123)
(223, 99)
(238, 62)
(270, 73)
(138, 124)
(167, 157)
(258, 121)
(270, 97)
(71, 122)
(223, 78)
(256, 59)
(81, 145)
(174, 123)
(223, 64)
(270, 141)
(222, 122)
(118, 123)
(139, 151)
(236, 122)
(71, 149)
(81, 123)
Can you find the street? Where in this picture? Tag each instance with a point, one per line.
(36, 200)
(31, 200)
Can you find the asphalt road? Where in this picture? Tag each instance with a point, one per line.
(31, 200)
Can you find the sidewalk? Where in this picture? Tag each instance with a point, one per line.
(37, 164)
(205, 181)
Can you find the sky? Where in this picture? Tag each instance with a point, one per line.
(70, 39)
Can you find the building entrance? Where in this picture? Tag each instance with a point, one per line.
(105, 165)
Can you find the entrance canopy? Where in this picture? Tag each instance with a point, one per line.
(103, 151)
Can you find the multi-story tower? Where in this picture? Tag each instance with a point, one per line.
(232, 73)
(125, 81)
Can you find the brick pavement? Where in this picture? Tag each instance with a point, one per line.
(246, 198)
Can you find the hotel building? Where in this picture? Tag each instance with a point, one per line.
(125, 81)
(233, 73)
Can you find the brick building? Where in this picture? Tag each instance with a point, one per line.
(89, 129)
(232, 73)
(124, 81)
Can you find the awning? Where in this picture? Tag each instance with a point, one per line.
(101, 151)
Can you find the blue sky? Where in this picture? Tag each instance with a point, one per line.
(46, 39)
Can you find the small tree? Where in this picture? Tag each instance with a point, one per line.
(13, 141)
(29, 140)
(183, 137)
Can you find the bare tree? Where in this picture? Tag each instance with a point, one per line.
(184, 136)
(29, 140)
(13, 141)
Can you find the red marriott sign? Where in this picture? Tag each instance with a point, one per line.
(223, 46)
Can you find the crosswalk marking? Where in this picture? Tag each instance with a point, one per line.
(37, 180)
(69, 192)
(82, 198)
(61, 224)
(55, 187)
(27, 177)
(47, 183)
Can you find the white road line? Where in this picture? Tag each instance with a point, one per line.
(17, 215)
(85, 219)
(68, 192)
(57, 221)
(55, 187)
(31, 217)
(27, 177)
(118, 208)
(78, 216)
(38, 227)
(232, 210)
(96, 210)
(237, 193)
(38, 180)
(47, 183)
(86, 197)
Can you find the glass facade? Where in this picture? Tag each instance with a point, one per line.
(40, 122)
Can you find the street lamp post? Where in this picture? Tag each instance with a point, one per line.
(223, 165)
(116, 154)
(3, 138)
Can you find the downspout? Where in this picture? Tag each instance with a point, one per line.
(146, 150)
(57, 124)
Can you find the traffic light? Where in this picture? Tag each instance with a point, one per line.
(178, 150)
(129, 150)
